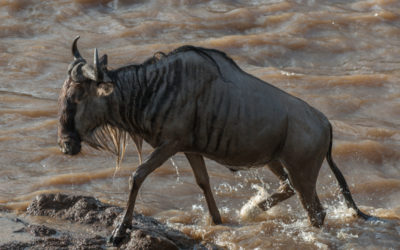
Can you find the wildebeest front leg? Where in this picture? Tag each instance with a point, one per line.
(202, 179)
(285, 191)
(155, 160)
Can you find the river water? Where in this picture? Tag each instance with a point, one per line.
(341, 56)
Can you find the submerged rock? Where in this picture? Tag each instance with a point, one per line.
(146, 232)
(74, 208)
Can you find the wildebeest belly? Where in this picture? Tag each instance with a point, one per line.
(247, 132)
(250, 148)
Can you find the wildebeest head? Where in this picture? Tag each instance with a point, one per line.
(83, 103)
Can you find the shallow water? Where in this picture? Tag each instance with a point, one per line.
(340, 56)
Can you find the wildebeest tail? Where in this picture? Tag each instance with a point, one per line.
(344, 188)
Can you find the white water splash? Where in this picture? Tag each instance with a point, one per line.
(251, 210)
(339, 211)
(343, 234)
(225, 188)
(178, 180)
(198, 207)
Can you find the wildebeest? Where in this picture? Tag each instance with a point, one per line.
(199, 102)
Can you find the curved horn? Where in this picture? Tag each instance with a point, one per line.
(75, 51)
(96, 65)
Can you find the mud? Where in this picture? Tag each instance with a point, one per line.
(100, 219)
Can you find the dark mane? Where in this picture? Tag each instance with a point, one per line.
(204, 52)
(155, 58)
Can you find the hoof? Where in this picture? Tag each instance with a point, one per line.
(118, 235)
(318, 220)
(217, 220)
(116, 240)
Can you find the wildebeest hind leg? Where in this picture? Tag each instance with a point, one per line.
(305, 185)
(285, 191)
(200, 173)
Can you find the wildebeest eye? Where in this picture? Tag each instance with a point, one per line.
(77, 92)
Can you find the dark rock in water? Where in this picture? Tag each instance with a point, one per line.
(40, 230)
(146, 233)
(83, 209)
(142, 239)
(64, 242)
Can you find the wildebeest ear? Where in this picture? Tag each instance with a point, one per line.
(103, 61)
(105, 88)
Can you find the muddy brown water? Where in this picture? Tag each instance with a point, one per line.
(342, 57)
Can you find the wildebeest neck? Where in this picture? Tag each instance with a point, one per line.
(145, 94)
(130, 85)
